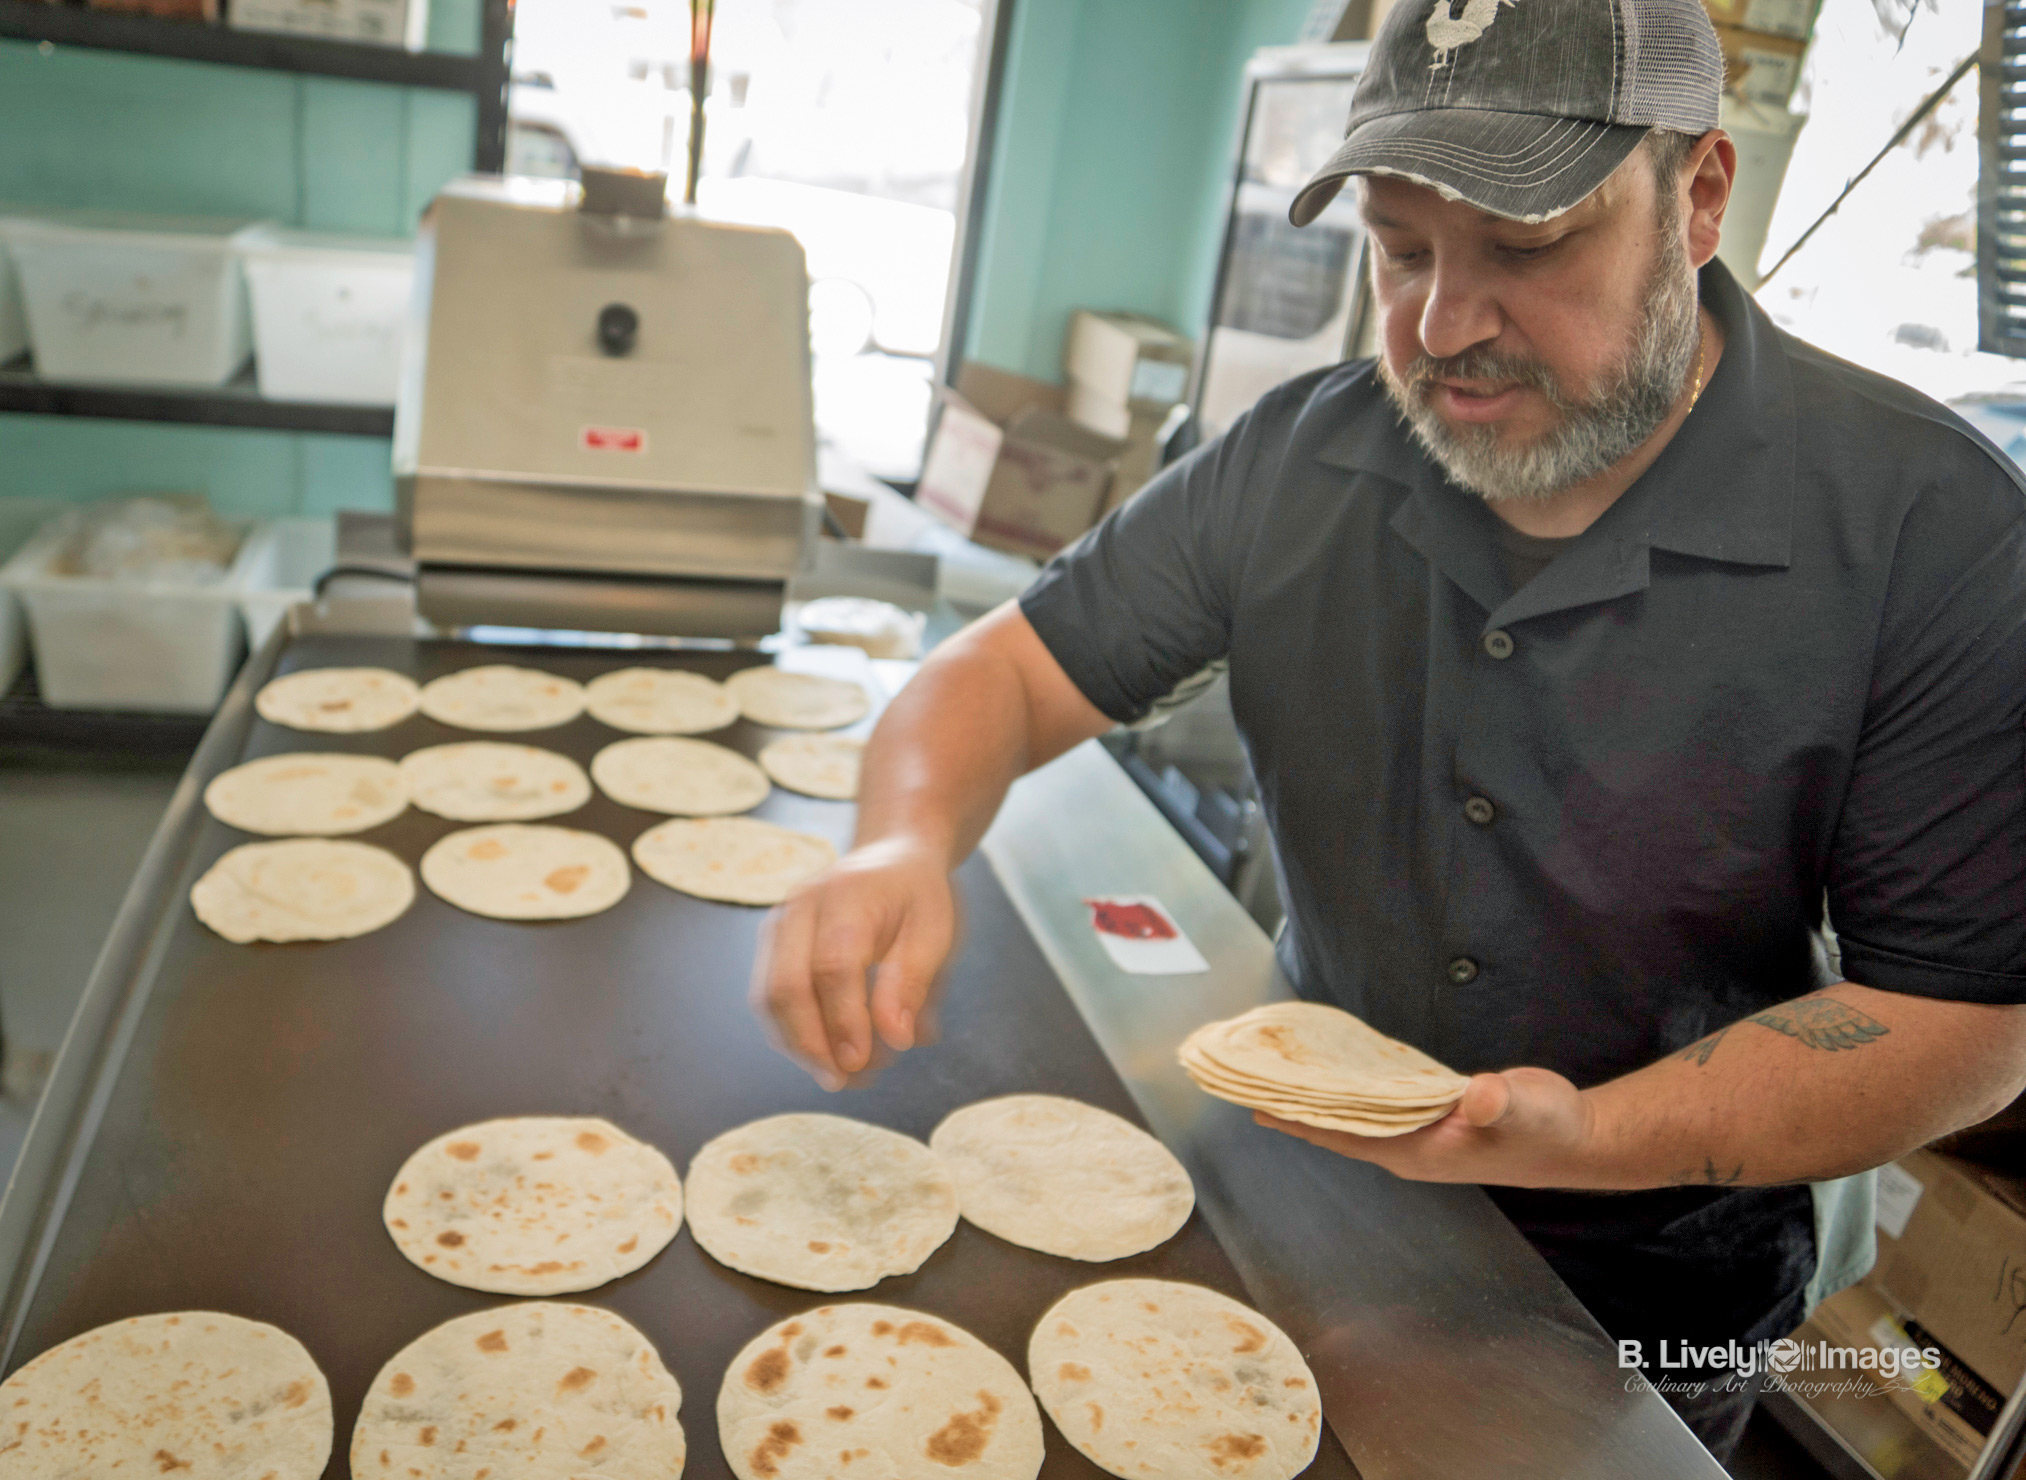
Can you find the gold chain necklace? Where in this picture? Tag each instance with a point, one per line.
(1701, 349)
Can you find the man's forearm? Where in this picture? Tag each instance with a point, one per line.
(991, 705)
(946, 750)
(1822, 1086)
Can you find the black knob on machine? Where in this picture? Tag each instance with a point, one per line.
(618, 327)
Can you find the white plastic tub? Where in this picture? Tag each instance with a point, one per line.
(279, 568)
(156, 300)
(328, 314)
(20, 518)
(102, 644)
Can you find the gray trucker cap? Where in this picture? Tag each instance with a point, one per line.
(1522, 107)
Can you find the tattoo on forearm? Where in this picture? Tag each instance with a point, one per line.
(1711, 1175)
(1699, 1051)
(1816, 1022)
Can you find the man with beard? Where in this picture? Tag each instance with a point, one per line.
(1591, 646)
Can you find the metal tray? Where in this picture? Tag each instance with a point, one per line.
(225, 1120)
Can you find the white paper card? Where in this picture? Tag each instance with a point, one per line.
(1898, 1194)
(1141, 937)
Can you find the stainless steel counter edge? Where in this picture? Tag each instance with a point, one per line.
(44, 1174)
(1444, 1345)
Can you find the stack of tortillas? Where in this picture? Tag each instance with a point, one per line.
(1063, 1177)
(535, 1391)
(519, 872)
(307, 795)
(819, 1202)
(302, 889)
(192, 1392)
(534, 1205)
(874, 1390)
(659, 701)
(339, 701)
(797, 701)
(1157, 1380)
(499, 696)
(1320, 1066)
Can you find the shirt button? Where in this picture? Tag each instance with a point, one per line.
(1463, 971)
(1498, 643)
(1479, 810)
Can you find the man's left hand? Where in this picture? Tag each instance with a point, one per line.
(1522, 1128)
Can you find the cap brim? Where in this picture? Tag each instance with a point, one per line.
(1522, 166)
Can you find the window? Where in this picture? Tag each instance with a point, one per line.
(844, 121)
(1889, 281)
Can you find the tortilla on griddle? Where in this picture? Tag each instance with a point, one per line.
(302, 889)
(690, 778)
(816, 765)
(739, 860)
(659, 701)
(819, 1202)
(518, 871)
(534, 1205)
(875, 1390)
(493, 781)
(1063, 1177)
(1155, 1380)
(538, 1390)
(306, 795)
(797, 701)
(197, 1393)
(499, 696)
(338, 701)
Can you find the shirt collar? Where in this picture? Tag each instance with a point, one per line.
(1722, 489)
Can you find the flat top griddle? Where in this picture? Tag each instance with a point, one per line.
(240, 1145)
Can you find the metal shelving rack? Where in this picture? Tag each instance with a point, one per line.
(484, 75)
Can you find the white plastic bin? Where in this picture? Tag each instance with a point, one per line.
(402, 23)
(158, 300)
(279, 567)
(20, 518)
(100, 644)
(329, 313)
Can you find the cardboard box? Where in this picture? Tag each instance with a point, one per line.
(1951, 1276)
(1126, 360)
(1759, 69)
(1950, 1406)
(1952, 1256)
(1008, 469)
(1143, 432)
(1791, 18)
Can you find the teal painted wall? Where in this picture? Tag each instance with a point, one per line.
(111, 131)
(1118, 120)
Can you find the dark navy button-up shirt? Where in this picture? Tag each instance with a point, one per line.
(1788, 666)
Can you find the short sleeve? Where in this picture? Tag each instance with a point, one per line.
(1927, 882)
(1145, 599)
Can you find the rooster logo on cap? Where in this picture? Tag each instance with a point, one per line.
(1446, 32)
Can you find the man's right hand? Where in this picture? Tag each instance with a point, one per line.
(885, 911)
(990, 703)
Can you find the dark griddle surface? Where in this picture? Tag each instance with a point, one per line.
(272, 1091)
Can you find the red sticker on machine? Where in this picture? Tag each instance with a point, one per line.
(614, 439)
(1141, 937)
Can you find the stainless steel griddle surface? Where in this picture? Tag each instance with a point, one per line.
(270, 1092)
